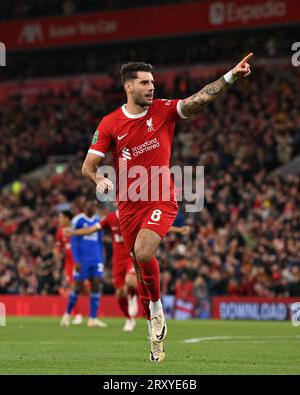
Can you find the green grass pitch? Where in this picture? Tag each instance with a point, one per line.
(41, 346)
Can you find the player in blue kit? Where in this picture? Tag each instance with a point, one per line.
(87, 253)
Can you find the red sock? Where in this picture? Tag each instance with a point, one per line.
(76, 309)
(123, 303)
(144, 298)
(151, 277)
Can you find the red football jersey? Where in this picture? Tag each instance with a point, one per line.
(111, 221)
(144, 140)
(64, 245)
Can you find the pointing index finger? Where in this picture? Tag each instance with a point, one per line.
(246, 58)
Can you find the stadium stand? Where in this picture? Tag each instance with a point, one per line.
(246, 240)
(15, 10)
(192, 50)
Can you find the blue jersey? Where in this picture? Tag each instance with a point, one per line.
(87, 250)
(179, 220)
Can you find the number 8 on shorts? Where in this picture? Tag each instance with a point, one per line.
(156, 215)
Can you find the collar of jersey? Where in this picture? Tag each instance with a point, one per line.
(128, 115)
(92, 218)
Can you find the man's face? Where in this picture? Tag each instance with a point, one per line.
(63, 220)
(141, 89)
(89, 209)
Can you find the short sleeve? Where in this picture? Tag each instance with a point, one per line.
(74, 223)
(173, 109)
(102, 139)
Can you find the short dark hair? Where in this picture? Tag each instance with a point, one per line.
(129, 70)
(67, 213)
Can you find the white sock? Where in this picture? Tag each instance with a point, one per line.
(155, 307)
(149, 327)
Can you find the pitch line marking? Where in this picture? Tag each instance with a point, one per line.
(204, 339)
(212, 338)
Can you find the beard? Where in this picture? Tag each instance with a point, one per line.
(141, 101)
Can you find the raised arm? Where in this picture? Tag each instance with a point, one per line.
(82, 231)
(184, 230)
(212, 91)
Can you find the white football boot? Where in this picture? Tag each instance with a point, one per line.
(95, 322)
(66, 320)
(129, 325)
(77, 319)
(157, 353)
(158, 327)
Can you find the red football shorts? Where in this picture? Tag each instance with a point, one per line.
(157, 216)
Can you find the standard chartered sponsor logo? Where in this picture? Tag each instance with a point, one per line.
(126, 153)
(145, 147)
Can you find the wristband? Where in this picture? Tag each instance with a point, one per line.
(229, 77)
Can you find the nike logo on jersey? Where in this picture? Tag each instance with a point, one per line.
(121, 137)
(152, 223)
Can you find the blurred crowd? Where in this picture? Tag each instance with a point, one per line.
(62, 123)
(28, 225)
(246, 240)
(23, 9)
(31, 131)
(161, 52)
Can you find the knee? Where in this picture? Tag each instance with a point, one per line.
(131, 282)
(145, 245)
(142, 254)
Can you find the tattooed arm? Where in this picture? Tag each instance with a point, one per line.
(210, 92)
(199, 100)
